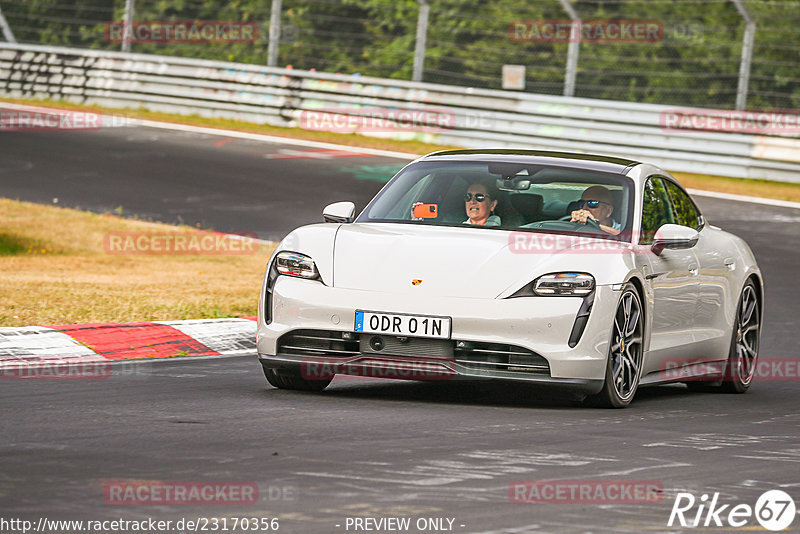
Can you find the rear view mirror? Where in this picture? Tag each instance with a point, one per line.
(505, 169)
(339, 212)
(517, 183)
(513, 176)
(674, 236)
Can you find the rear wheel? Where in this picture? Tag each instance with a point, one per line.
(290, 378)
(741, 364)
(624, 363)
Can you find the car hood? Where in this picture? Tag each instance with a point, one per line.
(446, 261)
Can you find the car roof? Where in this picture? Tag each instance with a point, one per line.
(542, 157)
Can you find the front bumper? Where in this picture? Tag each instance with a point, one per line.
(540, 325)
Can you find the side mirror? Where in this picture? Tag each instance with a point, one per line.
(674, 236)
(339, 212)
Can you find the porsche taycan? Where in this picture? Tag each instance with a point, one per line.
(589, 273)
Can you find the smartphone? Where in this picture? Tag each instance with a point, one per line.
(425, 211)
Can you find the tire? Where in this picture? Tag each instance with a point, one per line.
(625, 352)
(745, 340)
(290, 378)
(743, 352)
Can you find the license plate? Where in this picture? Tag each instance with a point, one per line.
(396, 324)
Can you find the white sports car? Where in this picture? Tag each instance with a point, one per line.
(587, 272)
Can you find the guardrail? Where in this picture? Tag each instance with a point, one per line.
(447, 114)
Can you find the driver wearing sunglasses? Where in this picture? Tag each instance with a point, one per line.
(596, 203)
(480, 205)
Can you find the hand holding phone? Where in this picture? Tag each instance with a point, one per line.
(424, 211)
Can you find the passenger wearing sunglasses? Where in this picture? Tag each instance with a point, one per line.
(480, 205)
(596, 203)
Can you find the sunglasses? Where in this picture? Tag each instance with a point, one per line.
(591, 203)
(479, 197)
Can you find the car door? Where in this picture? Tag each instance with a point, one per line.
(672, 277)
(715, 256)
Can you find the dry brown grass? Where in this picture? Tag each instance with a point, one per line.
(54, 269)
(737, 186)
(757, 188)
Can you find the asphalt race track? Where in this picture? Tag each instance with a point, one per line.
(229, 185)
(362, 448)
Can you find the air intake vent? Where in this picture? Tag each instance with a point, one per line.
(500, 357)
(318, 343)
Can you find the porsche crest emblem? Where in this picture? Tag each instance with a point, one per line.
(416, 282)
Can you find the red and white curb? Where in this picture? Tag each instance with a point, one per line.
(41, 346)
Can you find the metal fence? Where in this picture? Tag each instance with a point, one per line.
(443, 114)
(712, 53)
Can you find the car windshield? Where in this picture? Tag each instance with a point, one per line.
(504, 196)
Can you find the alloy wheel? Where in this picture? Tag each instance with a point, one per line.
(747, 336)
(626, 346)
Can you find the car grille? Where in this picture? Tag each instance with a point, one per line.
(474, 355)
(500, 357)
(407, 346)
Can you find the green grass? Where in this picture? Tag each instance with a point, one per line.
(12, 244)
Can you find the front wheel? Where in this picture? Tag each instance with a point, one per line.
(624, 362)
(287, 378)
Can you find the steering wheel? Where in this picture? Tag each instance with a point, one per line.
(589, 221)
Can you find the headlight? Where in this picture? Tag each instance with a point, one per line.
(293, 264)
(563, 284)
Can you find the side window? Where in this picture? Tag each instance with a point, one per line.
(686, 213)
(451, 206)
(402, 209)
(655, 209)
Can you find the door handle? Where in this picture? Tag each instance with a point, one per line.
(730, 263)
(693, 269)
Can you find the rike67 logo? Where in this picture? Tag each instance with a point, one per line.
(774, 510)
